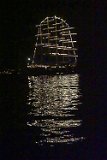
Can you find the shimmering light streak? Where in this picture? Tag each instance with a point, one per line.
(54, 101)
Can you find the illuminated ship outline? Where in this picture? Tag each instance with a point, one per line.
(54, 38)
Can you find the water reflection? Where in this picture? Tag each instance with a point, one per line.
(54, 101)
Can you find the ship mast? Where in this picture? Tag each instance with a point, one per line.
(63, 45)
(56, 40)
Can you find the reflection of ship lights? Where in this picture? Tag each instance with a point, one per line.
(55, 101)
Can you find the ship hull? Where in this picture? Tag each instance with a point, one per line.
(49, 70)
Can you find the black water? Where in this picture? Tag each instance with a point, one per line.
(52, 117)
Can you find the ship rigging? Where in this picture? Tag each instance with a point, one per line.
(55, 44)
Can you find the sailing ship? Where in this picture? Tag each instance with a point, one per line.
(55, 47)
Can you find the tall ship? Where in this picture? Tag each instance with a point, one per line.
(55, 47)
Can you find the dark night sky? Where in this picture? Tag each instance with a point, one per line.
(18, 19)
